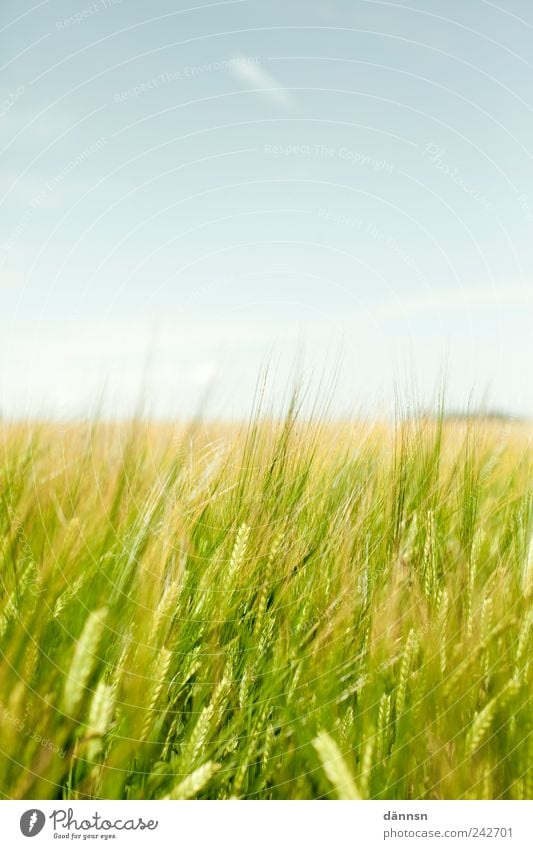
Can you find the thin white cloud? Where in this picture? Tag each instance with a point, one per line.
(248, 70)
(514, 295)
(58, 368)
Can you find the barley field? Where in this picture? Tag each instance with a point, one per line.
(284, 609)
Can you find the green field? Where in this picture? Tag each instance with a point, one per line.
(278, 610)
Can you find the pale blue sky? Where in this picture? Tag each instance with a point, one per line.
(188, 190)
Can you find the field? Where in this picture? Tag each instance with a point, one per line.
(278, 610)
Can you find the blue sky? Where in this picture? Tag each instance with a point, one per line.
(190, 191)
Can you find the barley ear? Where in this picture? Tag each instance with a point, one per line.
(100, 714)
(83, 661)
(335, 766)
(193, 783)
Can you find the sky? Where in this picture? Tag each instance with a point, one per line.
(189, 192)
